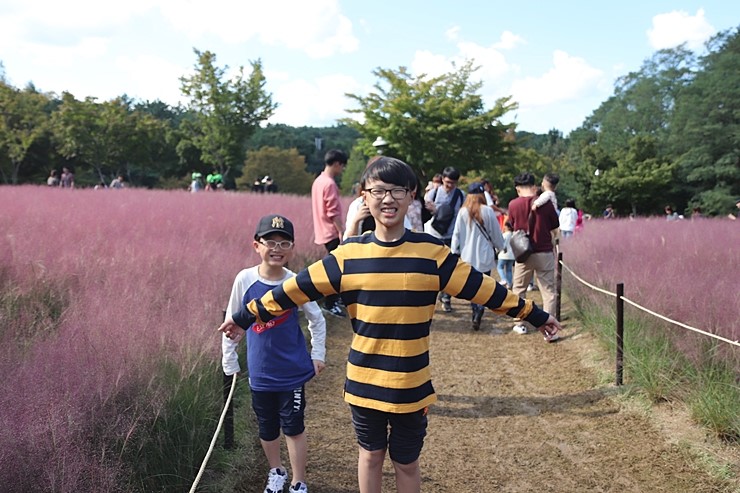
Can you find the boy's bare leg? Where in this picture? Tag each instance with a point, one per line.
(297, 451)
(272, 452)
(408, 477)
(370, 470)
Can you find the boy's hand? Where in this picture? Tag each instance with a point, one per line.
(534, 207)
(318, 366)
(550, 328)
(363, 211)
(231, 330)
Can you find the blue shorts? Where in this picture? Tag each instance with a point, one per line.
(406, 437)
(277, 410)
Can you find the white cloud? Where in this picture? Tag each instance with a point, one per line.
(148, 77)
(61, 56)
(318, 102)
(491, 60)
(426, 62)
(317, 28)
(677, 27)
(569, 78)
(509, 41)
(74, 14)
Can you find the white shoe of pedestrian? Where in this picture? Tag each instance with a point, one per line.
(520, 329)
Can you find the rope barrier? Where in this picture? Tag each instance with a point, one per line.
(215, 437)
(729, 341)
(639, 307)
(587, 284)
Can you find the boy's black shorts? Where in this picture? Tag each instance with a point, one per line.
(279, 409)
(406, 437)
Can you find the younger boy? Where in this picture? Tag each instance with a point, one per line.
(389, 280)
(278, 361)
(549, 185)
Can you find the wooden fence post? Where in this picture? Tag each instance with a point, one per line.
(229, 417)
(620, 333)
(559, 284)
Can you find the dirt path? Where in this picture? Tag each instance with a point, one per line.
(514, 415)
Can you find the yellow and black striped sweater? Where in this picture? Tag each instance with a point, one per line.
(390, 291)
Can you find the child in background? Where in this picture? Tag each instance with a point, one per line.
(549, 185)
(389, 280)
(278, 361)
(506, 258)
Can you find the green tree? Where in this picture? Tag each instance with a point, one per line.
(705, 129)
(285, 166)
(23, 121)
(432, 122)
(633, 181)
(312, 142)
(643, 101)
(107, 138)
(167, 168)
(225, 112)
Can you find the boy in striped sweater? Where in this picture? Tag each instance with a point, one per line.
(389, 280)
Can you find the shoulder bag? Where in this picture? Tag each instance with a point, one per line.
(521, 243)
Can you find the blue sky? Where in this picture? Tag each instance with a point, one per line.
(558, 60)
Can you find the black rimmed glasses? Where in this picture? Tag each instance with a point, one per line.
(379, 193)
(282, 245)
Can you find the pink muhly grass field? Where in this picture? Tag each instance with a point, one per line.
(142, 277)
(687, 270)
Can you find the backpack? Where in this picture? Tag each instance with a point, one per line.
(445, 213)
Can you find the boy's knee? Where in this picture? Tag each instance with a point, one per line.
(293, 428)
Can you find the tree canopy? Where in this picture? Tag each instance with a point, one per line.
(432, 122)
(224, 112)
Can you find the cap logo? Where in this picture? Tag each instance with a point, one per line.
(277, 222)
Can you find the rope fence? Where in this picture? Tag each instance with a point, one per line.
(227, 406)
(620, 299)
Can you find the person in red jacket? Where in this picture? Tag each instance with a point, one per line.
(542, 261)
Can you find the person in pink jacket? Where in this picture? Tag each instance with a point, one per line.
(328, 225)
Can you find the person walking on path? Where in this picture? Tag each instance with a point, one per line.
(445, 196)
(476, 237)
(539, 223)
(568, 218)
(328, 226)
(278, 362)
(389, 280)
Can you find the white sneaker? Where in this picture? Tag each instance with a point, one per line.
(276, 479)
(301, 487)
(520, 329)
